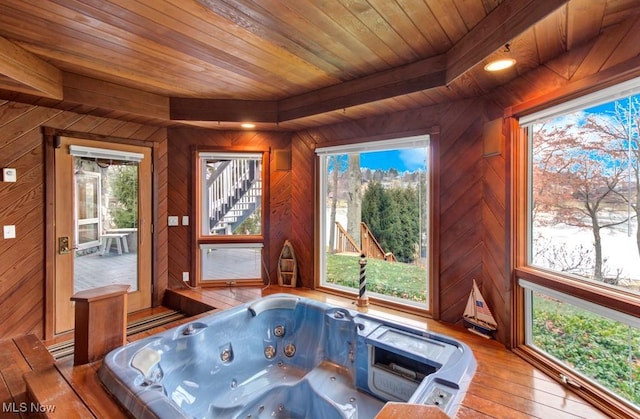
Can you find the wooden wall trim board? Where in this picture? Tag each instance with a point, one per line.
(514, 202)
(434, 239)
(160, 264)
(49, 239)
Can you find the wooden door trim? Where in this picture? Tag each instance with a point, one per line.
(57, 133)
(49, 242)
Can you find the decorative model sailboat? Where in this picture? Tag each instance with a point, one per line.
(477, 314)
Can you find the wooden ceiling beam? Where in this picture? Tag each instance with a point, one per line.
(104, 95)
(31, 74)
(421, 75)
(501, 26)
(223, 110)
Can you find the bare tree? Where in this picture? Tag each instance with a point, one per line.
(354, 197)
(621, 127)
(334, 203)
(578, 177)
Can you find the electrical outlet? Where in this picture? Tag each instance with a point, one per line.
(185, 276)
(173, 221)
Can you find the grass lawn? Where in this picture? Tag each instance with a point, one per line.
(401, 280)
(603, 349)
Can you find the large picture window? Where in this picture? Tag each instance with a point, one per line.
(374, 201)
(581, 255)
(230, 220)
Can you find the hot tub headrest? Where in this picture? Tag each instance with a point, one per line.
(273, 302)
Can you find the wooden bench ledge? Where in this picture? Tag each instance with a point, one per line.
(393, 410)
(50, 396)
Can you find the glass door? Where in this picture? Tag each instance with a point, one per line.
(102, 223)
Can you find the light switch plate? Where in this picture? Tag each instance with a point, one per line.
(173, 220)
(9, 175)
(10, 232)
(185, 220)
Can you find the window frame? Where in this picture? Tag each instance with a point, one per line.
(370, 145)
(617, 300)
(88, 221)
(201, 241)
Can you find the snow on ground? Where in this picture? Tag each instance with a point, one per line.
(619, 248)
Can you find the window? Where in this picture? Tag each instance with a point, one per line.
(374, 201)
(231, 193)
(230, 217)
(581, 256)
(599, 344)
(88, 204)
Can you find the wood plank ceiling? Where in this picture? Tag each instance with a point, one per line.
(289, 64)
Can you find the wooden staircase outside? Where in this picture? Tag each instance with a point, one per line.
(370, 246)
(344, 242)
(235, 191)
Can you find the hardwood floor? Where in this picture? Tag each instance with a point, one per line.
(504, 385)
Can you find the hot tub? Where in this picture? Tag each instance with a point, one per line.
(289, 357)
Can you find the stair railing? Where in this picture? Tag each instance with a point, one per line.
(233, 188)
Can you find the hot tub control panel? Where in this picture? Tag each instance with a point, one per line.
(406, 366)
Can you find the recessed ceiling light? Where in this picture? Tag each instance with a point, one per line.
(248, 125)
(500, 64)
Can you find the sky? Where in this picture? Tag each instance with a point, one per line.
(410, 159)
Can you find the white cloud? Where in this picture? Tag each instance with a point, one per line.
(413, 158)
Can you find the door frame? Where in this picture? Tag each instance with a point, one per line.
(51, 142)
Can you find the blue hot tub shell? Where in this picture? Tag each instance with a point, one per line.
(286, 356)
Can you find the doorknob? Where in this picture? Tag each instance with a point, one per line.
(64, 247)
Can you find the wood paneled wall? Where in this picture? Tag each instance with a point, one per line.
(474, 190)
(22, 260)
(467, 201)
(182, 143)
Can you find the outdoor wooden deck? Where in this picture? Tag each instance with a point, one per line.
(504, 386)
